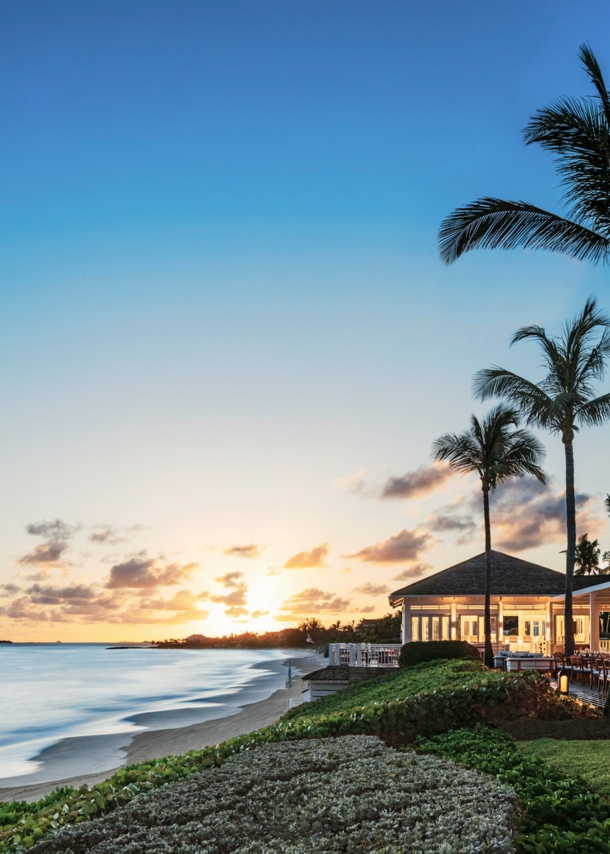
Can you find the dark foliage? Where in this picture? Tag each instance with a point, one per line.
(416, 652)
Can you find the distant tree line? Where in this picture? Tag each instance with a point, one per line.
(311, 631)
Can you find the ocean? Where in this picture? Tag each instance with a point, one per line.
(52, 692)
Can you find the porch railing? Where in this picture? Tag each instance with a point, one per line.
(364, 654)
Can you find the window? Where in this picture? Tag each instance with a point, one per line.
(414, 628)
(436, 628)
(446, 628)
(425, 628)
(511, 626)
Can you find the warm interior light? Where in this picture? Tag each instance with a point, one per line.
(564, 683)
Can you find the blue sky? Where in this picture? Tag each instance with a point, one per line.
(224, 319)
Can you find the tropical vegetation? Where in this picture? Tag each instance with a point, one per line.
(562, 402)
(586, 557)
(562, 814)
(350, 794)
(577, 132)
(496, 449)
(450, 700)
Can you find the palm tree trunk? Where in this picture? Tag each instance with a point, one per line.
(571, 547)
(489, 655)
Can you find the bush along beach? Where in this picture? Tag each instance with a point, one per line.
(453, 700)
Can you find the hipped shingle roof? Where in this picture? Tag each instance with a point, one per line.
(510, 576)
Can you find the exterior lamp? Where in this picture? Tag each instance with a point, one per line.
(563, 682)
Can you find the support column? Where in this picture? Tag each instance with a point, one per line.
(593, 623)
(500, 633)
(453, 621)
(406, 622)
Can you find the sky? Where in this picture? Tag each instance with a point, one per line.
(227, 340)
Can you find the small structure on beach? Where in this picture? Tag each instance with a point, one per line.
(331, 679)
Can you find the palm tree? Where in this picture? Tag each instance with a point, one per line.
(577, 132)
(561, 403)
(496, 449)
(586, 557)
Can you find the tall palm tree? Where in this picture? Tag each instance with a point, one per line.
(577, 132)
(561, 403)
(496, 449)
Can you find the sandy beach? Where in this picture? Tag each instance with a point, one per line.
(155, 743)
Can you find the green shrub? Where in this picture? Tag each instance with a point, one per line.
(416, 652)
(562, 814)
(399, 685)
(396, 720)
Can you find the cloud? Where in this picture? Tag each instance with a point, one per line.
(369, 589)
(445, 521)
(526, 514)
(305, 560)
(353, 483)
(403, 546)
(412, 572)
(147, 573)
(250, 551)
(256, 614)
(57, 534)
(80, 603)
(418, 483)
(311, 602)
(111, 534)
(9, 589)
(368, 609)
(236, 611)
(47, 594)
(236, 599)
(272, 571)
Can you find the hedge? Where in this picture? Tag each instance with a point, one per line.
(397, 721)
(416, 652)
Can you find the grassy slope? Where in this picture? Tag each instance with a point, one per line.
(589, 760)
(403, 683)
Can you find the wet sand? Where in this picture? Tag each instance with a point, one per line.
(153, 744)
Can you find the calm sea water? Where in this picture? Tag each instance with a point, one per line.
(57, 691)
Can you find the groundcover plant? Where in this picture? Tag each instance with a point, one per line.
(350, 794)
(451, 700)
(561, 813)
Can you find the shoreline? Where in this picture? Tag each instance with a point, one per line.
(156, 743)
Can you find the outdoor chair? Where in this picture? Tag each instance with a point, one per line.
(604, 674)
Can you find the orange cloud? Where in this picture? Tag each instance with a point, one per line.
(312, 602)
(306, 560)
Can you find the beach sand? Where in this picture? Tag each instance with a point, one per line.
(154, 744)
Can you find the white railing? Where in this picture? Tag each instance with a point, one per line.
(364, 654)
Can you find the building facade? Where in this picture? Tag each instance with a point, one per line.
(527, 606)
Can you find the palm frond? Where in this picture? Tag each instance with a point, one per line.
(594, 412)
(490, 223)
(526, 396)
(495, 447)
(587, 57)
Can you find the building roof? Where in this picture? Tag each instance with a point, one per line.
(510, 576)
